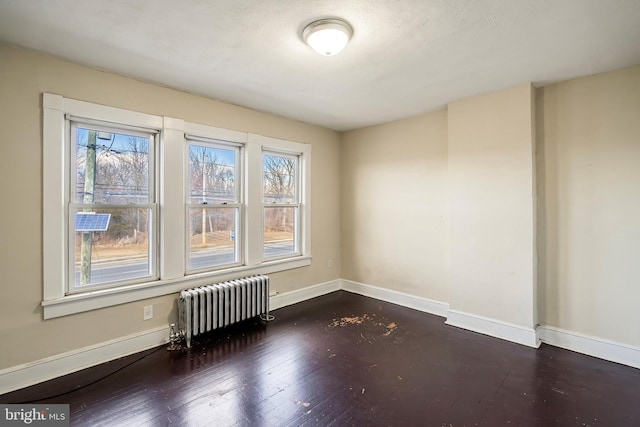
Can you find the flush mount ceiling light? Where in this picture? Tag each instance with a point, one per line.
(327, 36)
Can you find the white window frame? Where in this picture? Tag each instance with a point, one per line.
(171, 270)
(261, 144)
(295, 204)
(238, 205)
(151, 203)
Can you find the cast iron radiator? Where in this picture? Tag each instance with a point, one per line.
(214, 306)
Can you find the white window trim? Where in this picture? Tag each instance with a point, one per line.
(240, 239)
(303, 151)
(297, 205)
(150, 204)
(171, 201)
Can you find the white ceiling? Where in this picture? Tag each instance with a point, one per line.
(406, 57)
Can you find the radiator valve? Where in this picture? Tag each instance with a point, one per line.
(175, 338)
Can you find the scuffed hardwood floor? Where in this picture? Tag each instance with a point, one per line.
(342, 360)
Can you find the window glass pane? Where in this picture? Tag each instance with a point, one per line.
(110, 245)
(280, 231)
(212, 237)
(110, 167)
(279, 178)
(211, 174)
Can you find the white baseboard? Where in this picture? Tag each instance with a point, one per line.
(493, 327)
(406, 300)
(531, 337)
(48, 368)
(293, 297)
(591, 346)
(27, 374)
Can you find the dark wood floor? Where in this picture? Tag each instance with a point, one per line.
(343, 359)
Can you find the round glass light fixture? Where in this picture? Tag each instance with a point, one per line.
(327, 36)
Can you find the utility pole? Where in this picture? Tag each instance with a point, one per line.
(89, 185)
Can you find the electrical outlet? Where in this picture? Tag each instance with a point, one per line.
(330, 264)
(147, 312)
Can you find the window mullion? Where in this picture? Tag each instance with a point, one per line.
(163, 208)
(254, 221)
(172, 260)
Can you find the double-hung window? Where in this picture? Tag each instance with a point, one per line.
(281, 204)
(137, 205)
(112, 206)
(214, 204)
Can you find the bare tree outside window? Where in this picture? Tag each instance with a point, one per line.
(151, 202)
(213, 205)
(112, 175)
(279, 179)
(280, 198)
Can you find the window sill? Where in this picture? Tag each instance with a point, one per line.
(87, 301)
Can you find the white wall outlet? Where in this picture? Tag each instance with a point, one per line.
(330, 263)
(147, 312)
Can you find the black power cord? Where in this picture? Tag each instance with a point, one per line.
(92, 382)
(264, 317)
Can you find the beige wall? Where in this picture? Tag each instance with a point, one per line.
(394, 214)
(24, 76)
(491, 206)
(442, 206)
(587, 139)
(589, 209)
(384, 194)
